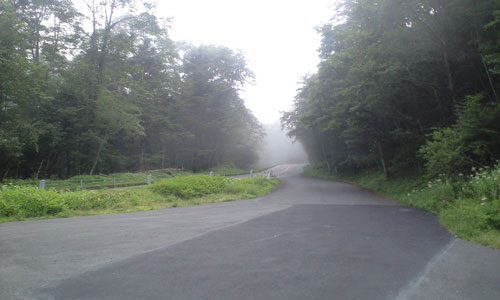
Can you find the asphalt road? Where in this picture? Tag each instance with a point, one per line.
(310, 239)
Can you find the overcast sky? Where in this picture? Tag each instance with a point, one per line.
(277, 37)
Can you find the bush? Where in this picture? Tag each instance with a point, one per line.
(201, 185)
(444, 152)
(191, 186)
(473, 140)
(86, 200)
(28, 201)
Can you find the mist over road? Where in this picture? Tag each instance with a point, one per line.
(309, 239)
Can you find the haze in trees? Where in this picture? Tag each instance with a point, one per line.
(399, 76)
(278, 148)
(118, 95)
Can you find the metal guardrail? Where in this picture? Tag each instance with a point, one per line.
(116, 181)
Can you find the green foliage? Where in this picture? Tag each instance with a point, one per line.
(392, 72)
(21, 202)
(101, 181)
(29, 202)
(444, 152)
(474, 139)
(251, 187)
(228, 169)
(119, 97)
(191, 186)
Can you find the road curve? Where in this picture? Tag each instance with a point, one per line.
(309, 239)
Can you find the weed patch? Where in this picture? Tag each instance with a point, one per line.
(23, 202)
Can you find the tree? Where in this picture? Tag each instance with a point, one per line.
(391, 72)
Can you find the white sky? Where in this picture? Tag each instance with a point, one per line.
(277, 37)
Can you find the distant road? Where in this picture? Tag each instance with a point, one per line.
(310, 239)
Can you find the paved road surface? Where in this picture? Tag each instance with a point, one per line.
(310, 239)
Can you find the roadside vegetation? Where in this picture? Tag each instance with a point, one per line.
(101, 181)
(233, 170)
(117, 96)
(25, 202)
(126, 178)
(405, 99)
(467, 204)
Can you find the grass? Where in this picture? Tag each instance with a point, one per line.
(27, 202)
(100, 181)
(123, 179)
(468, 205)
(232, 170)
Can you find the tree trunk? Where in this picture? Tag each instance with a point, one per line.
(141, 161)
(489, 79)
(382, 160)
(328, 166)
(443, 114)
(39, 169)
(97, 156)
(163, 155)
(449, 76)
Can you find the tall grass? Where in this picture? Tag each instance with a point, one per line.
(27, 201)
(191, 186)
(201, 185)
(22, 202)
(100, 181)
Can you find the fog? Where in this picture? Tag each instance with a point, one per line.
(278, 148)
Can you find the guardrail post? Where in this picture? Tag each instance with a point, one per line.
(211, 173)
(81, 183)
(114, 181)
(150, 177)
(251, 172)
(42, 183)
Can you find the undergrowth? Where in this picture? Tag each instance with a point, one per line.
(24, 202)
(202, 185)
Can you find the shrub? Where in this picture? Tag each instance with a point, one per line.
(191, 186)
(444, 152)
(28, 201)
(473, 140)
(492, 214)
(85, 200)
(200, 185)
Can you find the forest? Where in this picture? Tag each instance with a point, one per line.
(105, 90)
(405, 87)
